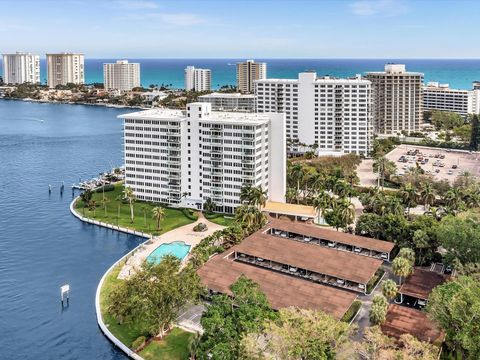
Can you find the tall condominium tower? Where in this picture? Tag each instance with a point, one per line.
(122, 75)
(183, 158)
(247, 73)
(333, 115)
(397, 99)
(64, 68)
(197, 79)
(21, 68)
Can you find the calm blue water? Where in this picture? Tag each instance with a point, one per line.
(42, 246)
(177, 248)
(458, 73)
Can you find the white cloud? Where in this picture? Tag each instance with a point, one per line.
(136, 4)
(378, 7)
(181, 19)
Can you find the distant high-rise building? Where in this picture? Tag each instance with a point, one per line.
(397, 99)
(230, 101)
(21, 68)
(197, 79)
(333, 115)
(247, 73)
(65, 68)
(122, 75)
(440, 97)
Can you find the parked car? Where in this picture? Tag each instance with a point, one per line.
(454, 166)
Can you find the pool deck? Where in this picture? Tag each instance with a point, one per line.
(184, 233)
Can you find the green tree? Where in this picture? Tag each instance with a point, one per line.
(402, 268)
(86, 198)
(385, 168)
(408, 254)
(298, 334)
(152, 297)
(130, 196)
(209, 205)
(158, 213)
(427, 195)
(250, 216)
(460, 236)
(408, 194)
(389, 289)
(444, 120)
(298, 172)
(322, 202)
(475, 134)
(455, 306)
(378, 311)
(228, 319)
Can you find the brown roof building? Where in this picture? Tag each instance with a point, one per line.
(274, 252)
(404, 320)
(421, 283)
(282, 290)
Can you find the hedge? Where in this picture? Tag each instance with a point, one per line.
(352, 311)
(105, 188)
(189, 214)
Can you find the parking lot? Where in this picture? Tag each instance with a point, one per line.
(440, 163)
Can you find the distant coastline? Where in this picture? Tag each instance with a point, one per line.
(108, 105)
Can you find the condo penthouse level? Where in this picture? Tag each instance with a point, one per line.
(183, 158)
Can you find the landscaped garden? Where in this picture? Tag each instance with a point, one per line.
(111, 207)
(220, 219)
(174, 346)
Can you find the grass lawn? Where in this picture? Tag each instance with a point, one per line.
(127, 334)
(173, 347)
(220, 219)
(143, 220)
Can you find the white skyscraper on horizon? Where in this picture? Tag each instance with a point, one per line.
(121, 75)
(65, 68)
(334, 115)
(183, 158)
(21, 68)
(197, 79)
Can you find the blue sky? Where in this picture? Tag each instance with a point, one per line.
(243, 28)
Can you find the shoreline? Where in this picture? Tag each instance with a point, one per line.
(103, 328)
(54, 102)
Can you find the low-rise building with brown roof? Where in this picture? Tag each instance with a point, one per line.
(420, 284)
(282, 290)
(404, 320)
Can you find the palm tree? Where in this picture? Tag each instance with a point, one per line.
(209, 205)
(158, 213)
(104, 202)
(453, 199)
(130, 196)
(297, 172)
(316, 183)
(383, 166)
(346, 212)
(258, 197)
(408, 254)
(86, 198)
(322, 202)
(427, 194)
(378, 311)
(389, 289)
(401, 267)
(409, 196)
(246, 194)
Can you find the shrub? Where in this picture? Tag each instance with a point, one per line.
(106, 188)
(189, 214)
(200, 227)
(139, 342)
(352, 311)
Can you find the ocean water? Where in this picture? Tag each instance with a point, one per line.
(458, 73)
(42, 246)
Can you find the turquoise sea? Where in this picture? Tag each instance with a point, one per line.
(458, 73)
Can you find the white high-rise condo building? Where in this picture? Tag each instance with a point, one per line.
(183, 158)
(230, 101)
(330, 114)
(21, 68)
(65, 68)
(122, 75)
(197, 79)
(397, 100)
(440, 97)
(247, 73)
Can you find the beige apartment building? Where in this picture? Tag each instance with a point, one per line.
(397, 95)
(247, 73)
(64, 68)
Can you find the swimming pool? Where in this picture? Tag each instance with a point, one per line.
(177, 248)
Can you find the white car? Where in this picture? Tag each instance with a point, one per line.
(357, 249)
